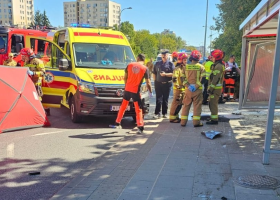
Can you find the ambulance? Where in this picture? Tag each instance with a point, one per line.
(85, 71)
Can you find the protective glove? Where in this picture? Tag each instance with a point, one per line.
(151, 94)
(191, 88)
(29, 72)
(210, 90)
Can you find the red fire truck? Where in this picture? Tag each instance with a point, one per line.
(12, 40)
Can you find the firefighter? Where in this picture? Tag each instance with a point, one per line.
(215, 84)
(36, 70)
(231, 73)
(207, 66)
(195, 77)
(10, 61)
(174, 57)
(178, 88)
(134, 75)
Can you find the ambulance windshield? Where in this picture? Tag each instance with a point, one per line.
(102, 55)
(3, 43)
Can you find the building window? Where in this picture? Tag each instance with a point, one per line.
(114, 6)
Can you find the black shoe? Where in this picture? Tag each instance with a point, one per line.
(140, 130)
(198, 125)
(48, 111)
(211, 122)
(183, 125)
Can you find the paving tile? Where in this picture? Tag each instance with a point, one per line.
(159, 193)
(245, 157)
(174, 181)
(139, 186)
(146, 175)
(214, 168)
(214, 191)
(132, 196)
(213, 179)
(238, 173)
(244, 165)
(177, 171)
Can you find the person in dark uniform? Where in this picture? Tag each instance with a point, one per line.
(162, 74)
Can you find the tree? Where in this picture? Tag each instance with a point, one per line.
(45, 20)
(232, 13)
(128, 29)
(40, 19)
(37, 18)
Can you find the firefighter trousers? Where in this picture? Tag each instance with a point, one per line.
(137, 104)
(213, 104)
(190, 98)
(229, 89)
(176, 104)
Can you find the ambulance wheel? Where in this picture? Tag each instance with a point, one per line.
(75, 117)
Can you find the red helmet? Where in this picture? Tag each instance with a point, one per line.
(217, 54)
(27, 52)
(174, 54)
(182, 56)
(195, 55)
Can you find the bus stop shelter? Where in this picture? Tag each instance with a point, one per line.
(260, 61)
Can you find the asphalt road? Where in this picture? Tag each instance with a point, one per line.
(59, 153)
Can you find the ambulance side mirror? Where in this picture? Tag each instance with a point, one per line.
(64, 64)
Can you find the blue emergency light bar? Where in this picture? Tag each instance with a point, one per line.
(80, 25)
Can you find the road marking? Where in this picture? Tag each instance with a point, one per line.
(11, 150)
(47, 133)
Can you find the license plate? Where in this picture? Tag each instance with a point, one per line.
(117, 108)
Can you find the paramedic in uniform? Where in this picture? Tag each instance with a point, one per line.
(215, 84)
(162, 74)
(36, 70)
(134, 75)
(10, 61)
(195, 77)
(178, 87)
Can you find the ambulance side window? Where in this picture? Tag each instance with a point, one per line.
(17, 43)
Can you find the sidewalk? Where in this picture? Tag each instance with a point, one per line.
(173, 162)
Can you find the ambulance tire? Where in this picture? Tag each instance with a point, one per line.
(75, 117)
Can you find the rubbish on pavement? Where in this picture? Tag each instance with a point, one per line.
(211, 134)
(34, 173)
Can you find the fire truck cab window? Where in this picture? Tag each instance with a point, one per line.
(17, 43)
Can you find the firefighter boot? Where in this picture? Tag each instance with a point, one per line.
(212, 122)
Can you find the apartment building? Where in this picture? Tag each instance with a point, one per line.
(16, 12)
(92, 12)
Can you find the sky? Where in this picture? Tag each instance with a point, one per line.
(185, 17)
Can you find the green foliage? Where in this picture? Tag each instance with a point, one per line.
(45, 19)
(40, 19)
(142, 41)
(232, 14)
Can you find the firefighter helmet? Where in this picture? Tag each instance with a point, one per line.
(182, 56)
(195, 55)
(217, 54)
(175, 54)
(27, 52)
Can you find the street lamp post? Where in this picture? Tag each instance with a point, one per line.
(120, 16)
(204, 51)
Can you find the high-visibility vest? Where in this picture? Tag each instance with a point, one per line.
(207, 66)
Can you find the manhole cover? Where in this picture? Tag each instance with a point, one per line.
(258, 182)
